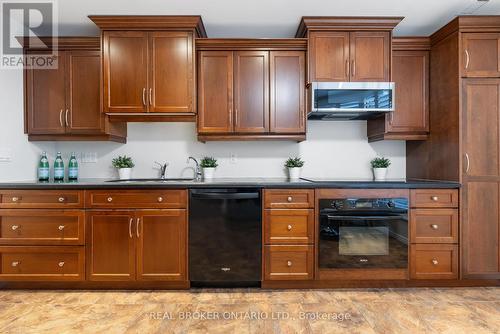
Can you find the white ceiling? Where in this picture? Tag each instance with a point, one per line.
(269, 18)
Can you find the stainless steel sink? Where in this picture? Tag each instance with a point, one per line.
(157, 180)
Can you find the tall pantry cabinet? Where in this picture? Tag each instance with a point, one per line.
(464, 139)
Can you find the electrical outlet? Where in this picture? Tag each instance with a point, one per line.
(233, 158)
(89, 157)
(5, 155)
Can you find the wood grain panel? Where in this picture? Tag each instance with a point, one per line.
(370, 56)
(434, 226)
(288, 198)
(289, 226)
(433, 261)
(434, 198)
(328, 56)
(481, 55)
(42, 199)
(142, 199)
(284, 262)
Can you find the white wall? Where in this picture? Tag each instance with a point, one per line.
(332, 149)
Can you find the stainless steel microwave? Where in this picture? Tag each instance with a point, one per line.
(350, 100)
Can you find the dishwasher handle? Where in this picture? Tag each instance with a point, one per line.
(223, 195)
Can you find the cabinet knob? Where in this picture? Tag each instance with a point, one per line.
(160, 199)
(15, 263)
(289, 263)
(434, 198)
(434, 262)
(110, 199)
(16, 199)
(289, 199)
(61, 199)
(14, 227)
(61, 264)
(289, 227)
(61, 227)
(434, 226)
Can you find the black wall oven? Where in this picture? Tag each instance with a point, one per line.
(360, 233)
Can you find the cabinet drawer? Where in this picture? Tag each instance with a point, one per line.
(434, 226)
(146, 199)
(434, 261)
(289, 262)
(42, 227)
(58, 263)
(44, 199)
(289, 199)
(434, 198)
(288, 226)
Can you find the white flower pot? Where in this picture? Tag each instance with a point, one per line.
(379, 174)
(124, 173)
(208, 173)
(294, 173)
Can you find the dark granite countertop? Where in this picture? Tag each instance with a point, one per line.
(236, 182)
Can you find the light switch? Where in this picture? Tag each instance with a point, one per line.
(89, 157)
(5, 155)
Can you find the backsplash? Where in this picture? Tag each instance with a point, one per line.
(332, 149)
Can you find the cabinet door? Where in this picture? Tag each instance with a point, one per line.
(287, 92)
(481, 138)
(125, 55)
(329, 56)
(251, 91)
(111, 245)
(370, 56)
(410, 72)
(215, 92)
(161, 251)
(83, 108)
(171, 82)
(481, 55)
(480, 230)
(45, 99)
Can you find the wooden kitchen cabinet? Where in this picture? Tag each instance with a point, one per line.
(410, 73)
(251, 89)
(65, 103)
(481, 55)
(149, 66)
(370, 56)
(329, 56)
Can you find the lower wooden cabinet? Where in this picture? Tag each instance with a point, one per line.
(438, 261)
(285, 262)
(42, 263)
(131, 245)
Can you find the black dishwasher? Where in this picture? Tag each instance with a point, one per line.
(225, 237)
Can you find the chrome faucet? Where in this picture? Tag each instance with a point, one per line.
(197, 171)
(163, 169)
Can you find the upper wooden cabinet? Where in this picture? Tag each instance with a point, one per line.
(410, 73)
(251, 89)
(348, 48)
(65, 103)
(149, 66)
(481, 55)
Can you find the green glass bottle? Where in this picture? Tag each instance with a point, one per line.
(43, 168)
(59, 168)
(73, 168)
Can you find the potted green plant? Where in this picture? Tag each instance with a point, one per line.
(208, 165)
(294, 166)
(379, 167)
(124, 165)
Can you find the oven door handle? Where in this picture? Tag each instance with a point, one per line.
(364, 217)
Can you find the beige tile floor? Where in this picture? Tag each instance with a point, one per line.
(453, 310)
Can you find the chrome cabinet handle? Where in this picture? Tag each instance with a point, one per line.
(110, 199)
(467, 59)
(435, 262)
(289, 227)
(130, 227)
(434, 226)
(353, 68)
(137, 227)
(392, 117)
(347, 67)
(61, 118)
(66, 117)
(61, 264)
(151, 96)
(14, 227)
(144, 96)
(289, 199)
(61, 199)
(289, 263)
(61, 227)
(15, 263)
(468, 163)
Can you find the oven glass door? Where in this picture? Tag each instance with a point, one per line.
(363, 241)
